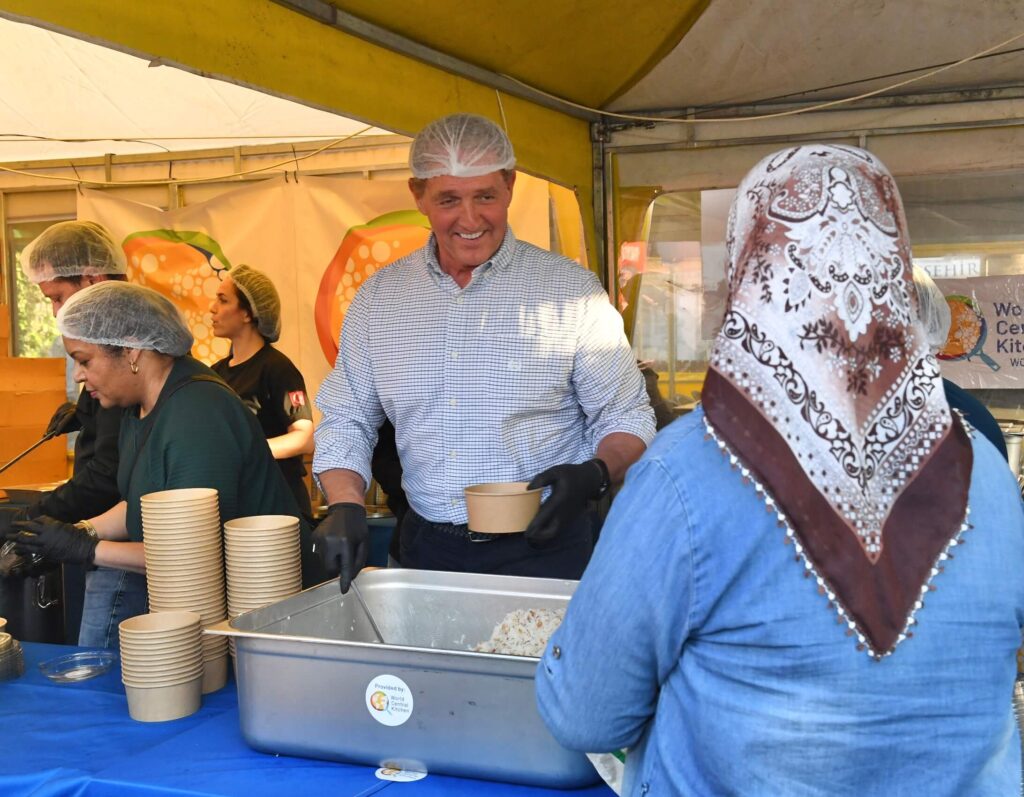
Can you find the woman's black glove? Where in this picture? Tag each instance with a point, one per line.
(54, 539)
(342, 541)
(9, 515)
(64, 420)
(572, 486)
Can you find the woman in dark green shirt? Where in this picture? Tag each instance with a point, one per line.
(183, 427)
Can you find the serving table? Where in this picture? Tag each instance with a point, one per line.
(77, 739)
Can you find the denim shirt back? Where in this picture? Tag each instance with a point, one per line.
(695, 640)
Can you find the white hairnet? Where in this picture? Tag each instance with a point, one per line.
(122, 314)
(934, 311)
(460, 145)
(262, 296)
(72, 249)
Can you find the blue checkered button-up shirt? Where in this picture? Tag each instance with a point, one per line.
(524, 368)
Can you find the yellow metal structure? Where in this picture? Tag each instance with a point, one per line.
(587, 52)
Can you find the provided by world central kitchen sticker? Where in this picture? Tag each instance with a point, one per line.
(985, 345)
(389, 700)
(399, 775)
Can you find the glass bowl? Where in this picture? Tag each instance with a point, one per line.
(77, 667)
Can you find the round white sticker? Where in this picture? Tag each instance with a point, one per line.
(389, 700)
(399, 775)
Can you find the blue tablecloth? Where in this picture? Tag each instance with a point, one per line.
(63, 740)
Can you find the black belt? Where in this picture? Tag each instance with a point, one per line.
(456, 529)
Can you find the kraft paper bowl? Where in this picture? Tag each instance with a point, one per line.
(501, 507)
(163, 703)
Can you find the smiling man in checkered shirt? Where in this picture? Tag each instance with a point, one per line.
(495, 361)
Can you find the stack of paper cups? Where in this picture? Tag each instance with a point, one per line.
(263, 561)
(162, 665)
(185, 565)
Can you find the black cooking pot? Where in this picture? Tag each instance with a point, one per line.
(31, 592)
(32, 603)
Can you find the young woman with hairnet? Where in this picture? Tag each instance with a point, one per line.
(183, 427)
(247, 311)
(811, 583)
(936, 318)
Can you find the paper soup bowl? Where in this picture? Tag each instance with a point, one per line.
(154, 675)
(152, 672)
(262, 523)
(184, 548)
(501, 507)
(167, 513)
(157, 623)
(282, 560)
(180, 636)
(139, 658)
(182, 496)
(162, 703)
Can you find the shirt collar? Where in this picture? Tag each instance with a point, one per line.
(500, 259)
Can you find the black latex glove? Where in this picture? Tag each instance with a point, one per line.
(64, 420)
(54, 539)
(8, 516)
(572, 486)
(342, 541)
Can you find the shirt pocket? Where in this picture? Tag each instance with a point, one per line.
(529, 369)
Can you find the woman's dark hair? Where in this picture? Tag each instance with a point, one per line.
(243, 302)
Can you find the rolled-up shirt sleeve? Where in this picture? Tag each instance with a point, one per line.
(348, 399)
(605, 375)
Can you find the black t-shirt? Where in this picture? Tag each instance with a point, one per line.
(272, 387)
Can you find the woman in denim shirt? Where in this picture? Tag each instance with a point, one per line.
(812, 584)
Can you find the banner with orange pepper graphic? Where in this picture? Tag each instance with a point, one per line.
(318, 239)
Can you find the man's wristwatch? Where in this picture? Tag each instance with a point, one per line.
(88, 528)
(606, 478)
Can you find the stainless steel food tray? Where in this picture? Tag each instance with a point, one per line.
(311, 682)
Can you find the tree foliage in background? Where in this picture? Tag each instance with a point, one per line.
(35, 331)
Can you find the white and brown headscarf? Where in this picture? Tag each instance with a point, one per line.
(823, 391)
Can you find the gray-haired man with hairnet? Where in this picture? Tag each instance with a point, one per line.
(66, 258)
(496, 361)
(63, 260)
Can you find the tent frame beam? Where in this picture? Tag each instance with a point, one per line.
(948, 97)
(861, 134)
(334, 17)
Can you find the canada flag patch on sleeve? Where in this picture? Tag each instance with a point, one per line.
(297, 398)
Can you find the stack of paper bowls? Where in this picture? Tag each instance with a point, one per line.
(263, 561)
(185, 566)
(162, 665)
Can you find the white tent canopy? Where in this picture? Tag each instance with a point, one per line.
(741, 52)
(96, 101)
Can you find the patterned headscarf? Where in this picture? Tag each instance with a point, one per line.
(823, 391)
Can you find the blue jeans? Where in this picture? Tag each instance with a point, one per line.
(110, 597)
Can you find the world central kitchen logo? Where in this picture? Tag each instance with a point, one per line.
(1010, 331)
(379, 701)
(968, 331)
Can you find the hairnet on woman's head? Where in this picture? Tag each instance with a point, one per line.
(263, 299)
(933, 310)
(72, 249)
(460, 145)
(121, 314)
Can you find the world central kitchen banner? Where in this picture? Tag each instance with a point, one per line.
(318, 239)
(985, 346)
